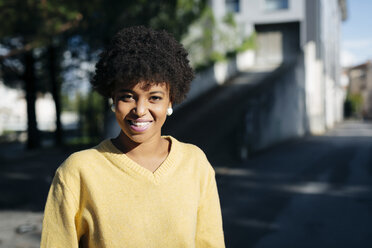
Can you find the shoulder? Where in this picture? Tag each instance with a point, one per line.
(78, 162)
(193, 156)
(187, 147)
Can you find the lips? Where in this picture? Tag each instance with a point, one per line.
(139, 125)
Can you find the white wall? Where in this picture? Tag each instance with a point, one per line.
(254, 12)
(314, 90)
(13, 110)
(330, 38)
(219, 73)
(13, 113)
(284, 115)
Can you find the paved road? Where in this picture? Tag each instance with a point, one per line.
(312, 192)
(25, 177)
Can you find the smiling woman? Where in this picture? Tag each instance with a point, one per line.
(140, 189)
(141, 112)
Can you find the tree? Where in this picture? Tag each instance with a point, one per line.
(103, 18)
(47, 24)
(27, 25)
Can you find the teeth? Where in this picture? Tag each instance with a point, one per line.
(139, 124)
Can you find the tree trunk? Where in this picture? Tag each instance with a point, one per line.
(56, 88)
(33, 140)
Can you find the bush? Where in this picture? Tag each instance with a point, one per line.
(353, 105)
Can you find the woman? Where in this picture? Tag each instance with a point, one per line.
(140, 189)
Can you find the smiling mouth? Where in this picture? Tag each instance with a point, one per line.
(139, 126)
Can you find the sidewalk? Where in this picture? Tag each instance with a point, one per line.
(20, 229)
(25, 178)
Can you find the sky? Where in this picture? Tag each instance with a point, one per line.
(356, 44)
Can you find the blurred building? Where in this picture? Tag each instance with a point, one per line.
(13, 115)
(292, 30)
(360, 84)
(13, 110)
(295, 67)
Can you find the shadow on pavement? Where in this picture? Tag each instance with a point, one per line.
(25, 176)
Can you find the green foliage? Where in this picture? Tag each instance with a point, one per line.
(68, 104)
(35, 21)
(353, 105)
(211, 40)
(38, 22)
(217, 57)
(248, 43)
(214, 58)
(208, 23)
(230, 20)
(103, 18)
(91, 110)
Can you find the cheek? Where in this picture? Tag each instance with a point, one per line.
(160, 111)
(122, 109)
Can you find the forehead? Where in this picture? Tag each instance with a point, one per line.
(143, 86)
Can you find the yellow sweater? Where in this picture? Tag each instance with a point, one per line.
(101, 198)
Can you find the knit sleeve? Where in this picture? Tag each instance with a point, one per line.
(59, 229)
(209, 232)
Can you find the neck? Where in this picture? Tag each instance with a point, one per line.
(148, 148)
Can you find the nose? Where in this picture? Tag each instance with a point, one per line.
(140, 108)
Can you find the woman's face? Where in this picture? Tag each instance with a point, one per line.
(141, 111)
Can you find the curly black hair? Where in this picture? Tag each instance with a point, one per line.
(140, 54)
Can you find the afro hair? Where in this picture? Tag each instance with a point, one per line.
(140, 54)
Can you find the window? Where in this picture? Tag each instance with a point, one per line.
(276, 4)
(232, 5)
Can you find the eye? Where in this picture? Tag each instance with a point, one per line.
(155, 98)
(126, 97)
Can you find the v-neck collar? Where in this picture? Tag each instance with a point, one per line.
(121, 160)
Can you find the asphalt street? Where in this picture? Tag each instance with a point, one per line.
(311, 192)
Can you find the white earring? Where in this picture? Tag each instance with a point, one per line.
(169, 111)
(113, 108)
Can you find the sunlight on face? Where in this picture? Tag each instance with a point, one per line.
(141, 110)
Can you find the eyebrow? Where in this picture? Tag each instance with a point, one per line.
(126, 90)
(152, 92)
(157, 92)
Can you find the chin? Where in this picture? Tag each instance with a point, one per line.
(139, 138)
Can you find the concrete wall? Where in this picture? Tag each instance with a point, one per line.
(287, 117)
(254, 11)
(219, 73)
(277, 43)
(277, 111)
(324, 92)
(330, 42)
(309, 97)
(314, 89)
